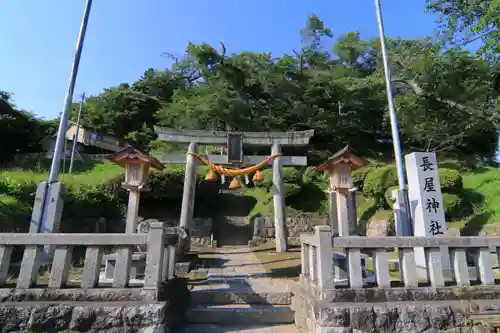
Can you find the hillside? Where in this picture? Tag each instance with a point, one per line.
(471, 195)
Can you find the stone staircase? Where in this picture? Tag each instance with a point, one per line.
(489, 319)
(241, 305)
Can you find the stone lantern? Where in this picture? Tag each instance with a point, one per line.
(342, 196)
(137, 166)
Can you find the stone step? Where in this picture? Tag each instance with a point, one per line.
(488, 318)
(199, 328)
(221, 297)
(241, 314)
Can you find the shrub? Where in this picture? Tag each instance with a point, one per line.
(451, 164)
(292, 175)
(267, 183)
(359, 175)
(378, 180)
(168, 183)
(452, 204)
(88, 201)
(318, 178)
(291, 190)
(450, 180)
(14, 215)
(23, 190)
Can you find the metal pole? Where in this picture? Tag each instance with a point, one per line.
(75, 138)
(407, 229)
(61, 133)
(392, 113)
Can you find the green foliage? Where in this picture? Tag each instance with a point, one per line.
(451, 164)
(292, 175)
(21, 130)
(13, 214)
(359, 175)
(452, 204)
(291, 190)
(267, 182)
(378, 181)
(93, 201)
(450, 180)
(486, 184)
(464, 22)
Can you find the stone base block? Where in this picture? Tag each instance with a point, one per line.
(395, 310)
(84, 317)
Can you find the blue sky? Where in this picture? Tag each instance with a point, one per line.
(125, 37)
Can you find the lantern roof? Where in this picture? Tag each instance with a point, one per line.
(343, 156)
(131, 155)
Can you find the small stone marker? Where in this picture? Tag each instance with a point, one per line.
(426, 204)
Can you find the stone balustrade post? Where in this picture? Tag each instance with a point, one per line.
(324, 257)
(154, 259)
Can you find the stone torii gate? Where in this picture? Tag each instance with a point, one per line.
(235, 142)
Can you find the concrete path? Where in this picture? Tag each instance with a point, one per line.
(240, 266)
(237, 261)
(238, 269)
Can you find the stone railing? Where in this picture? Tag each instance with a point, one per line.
(316, 257)
(62, 244)
(318, 263)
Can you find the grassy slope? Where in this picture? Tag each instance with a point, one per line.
(96, 174)
(486, 215)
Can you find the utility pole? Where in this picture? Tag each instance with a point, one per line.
(63, 125)
(406, 223)
(75, 137)
(48, 205)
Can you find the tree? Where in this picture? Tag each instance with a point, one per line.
(122, 112)
(341, 93)
(464, 22)
(21, 130)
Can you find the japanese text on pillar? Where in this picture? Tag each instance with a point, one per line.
(432, 202)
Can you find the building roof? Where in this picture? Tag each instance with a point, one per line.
(132, 155)
(343, 156)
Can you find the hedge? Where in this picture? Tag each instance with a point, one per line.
(290, 175)
(452, 204)
(450, 180)
(12, 214)
(359, 175)
(378, 180)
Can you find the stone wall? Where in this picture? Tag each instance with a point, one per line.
(85, 317)
(395, 310)
(98, 310)
(264, 227)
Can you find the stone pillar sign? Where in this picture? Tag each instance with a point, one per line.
(426, 205)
